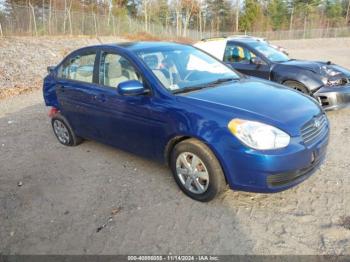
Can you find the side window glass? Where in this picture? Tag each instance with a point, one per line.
(80, 68)
(115, 69)
(238, 54)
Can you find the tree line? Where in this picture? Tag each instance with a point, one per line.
(206, 15)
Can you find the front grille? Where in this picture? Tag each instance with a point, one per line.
(314, 129)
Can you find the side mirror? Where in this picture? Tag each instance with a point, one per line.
(256, 61)
(131, 88)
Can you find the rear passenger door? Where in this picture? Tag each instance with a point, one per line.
(75, 90)
(240, 58)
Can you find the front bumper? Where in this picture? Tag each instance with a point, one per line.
(332, 98)
(273, 171)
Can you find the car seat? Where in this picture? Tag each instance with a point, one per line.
(114, 75)
(153, 63)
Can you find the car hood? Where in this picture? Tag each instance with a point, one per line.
(258, 100)
(315, 66)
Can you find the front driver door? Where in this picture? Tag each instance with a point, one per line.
(241, 59)
(122, 121)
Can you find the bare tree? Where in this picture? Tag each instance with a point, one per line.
(34, 19)
(145, 6)
(237, 15)
(65, 16)
(95, 24)
(110, 8)
(1, 33)
(347, 13)
(50, 17)
(178, 17)
(43, 11)
(200, 19)
(189, 6)
(291, 20)
(70, 18)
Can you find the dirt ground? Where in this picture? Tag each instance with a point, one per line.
(53, 199)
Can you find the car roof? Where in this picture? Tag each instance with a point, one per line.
(216, 45)
(243, 40)
(237, 38)
(137, 46)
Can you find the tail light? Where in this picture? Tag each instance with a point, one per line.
(53, 111)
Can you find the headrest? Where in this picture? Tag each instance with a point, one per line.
(114, 70)
(85, 71)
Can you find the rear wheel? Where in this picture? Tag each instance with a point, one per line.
(297, 86)
(63, 131)
(197, 171)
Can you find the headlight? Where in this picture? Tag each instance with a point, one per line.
(324, 80)
(332, 77)
(258, 135)
(336, 82)
(328, 71)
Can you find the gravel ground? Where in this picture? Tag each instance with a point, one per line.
(53, 199)
(23, 60)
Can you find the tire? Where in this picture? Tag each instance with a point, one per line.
(64, 132)
(297, 86)
(207, 170)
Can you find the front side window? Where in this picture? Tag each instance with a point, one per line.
(79, 68)
(115, 69)
(183, 67)
(237, 54)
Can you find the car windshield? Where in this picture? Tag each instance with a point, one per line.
(269, 52)
(184, 68)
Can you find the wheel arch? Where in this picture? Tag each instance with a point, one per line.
(298, 82)
(180, 138)
(308, 79)
(172, 142)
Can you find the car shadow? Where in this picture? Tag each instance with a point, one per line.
(95, 199)
(54, 198)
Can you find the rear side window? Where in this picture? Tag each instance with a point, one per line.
(237, 54)
(79, 68)
(115, 69)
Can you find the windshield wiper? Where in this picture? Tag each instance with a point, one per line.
(201, 86)
(187, 89)
(221, 80)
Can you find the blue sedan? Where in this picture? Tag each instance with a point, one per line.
(176, 104)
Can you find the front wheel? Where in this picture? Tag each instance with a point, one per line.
(297, 86)
(197, 171)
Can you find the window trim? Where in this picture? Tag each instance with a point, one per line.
(262, 57)
(230, 45)
(73, 55)
(113, 51)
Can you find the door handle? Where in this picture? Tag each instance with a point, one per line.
(100, 98)
(60, 87)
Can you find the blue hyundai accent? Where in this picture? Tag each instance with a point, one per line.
(176, 104)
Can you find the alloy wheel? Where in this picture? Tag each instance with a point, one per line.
(61, 131)
(192, 173)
